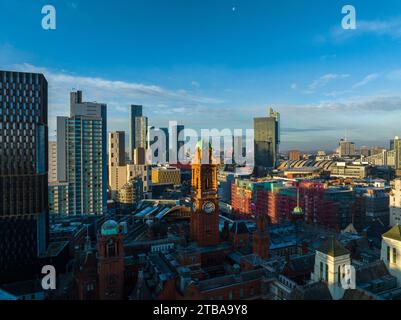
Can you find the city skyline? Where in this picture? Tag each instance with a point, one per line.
(315, 77)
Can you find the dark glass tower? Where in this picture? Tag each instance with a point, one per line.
(23, 174)
(267, 140)
(135, 112)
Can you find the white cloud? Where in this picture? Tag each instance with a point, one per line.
(366, 80)
(325, 79)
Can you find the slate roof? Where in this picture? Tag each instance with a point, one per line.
(314, 291)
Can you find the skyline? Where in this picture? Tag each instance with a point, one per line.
(184, 62)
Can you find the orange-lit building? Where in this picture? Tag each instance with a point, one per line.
(294, 155)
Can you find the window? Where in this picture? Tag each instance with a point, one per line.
(321, 270)
(394, 255)
(326, 275)
(388, 253)
(339, 275)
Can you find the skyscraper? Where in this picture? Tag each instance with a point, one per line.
(117, 168)
(116, 148)
(23, 173)
(52, 161)
(82, 156)
(141, 132)
(397, 151)
(267, 140)
(136, 111)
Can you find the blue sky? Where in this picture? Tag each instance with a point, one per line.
(219, 63)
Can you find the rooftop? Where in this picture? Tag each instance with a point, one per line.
(394, 233)
(332, 247)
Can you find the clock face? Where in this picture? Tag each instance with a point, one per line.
(209, 207)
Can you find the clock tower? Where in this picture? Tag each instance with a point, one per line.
(205, 211)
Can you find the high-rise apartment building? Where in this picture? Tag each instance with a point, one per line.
(116, 163)
(82, 156)
(137, 129)
(116, 148)
(397, 151)
(52, 161)
(23, 173)
(267, 140)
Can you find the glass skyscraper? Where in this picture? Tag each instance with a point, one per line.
(23, 173)
(135, 112)
(267, 140)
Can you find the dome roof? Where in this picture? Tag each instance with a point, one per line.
(110, 227)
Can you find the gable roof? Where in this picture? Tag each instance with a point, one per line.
(332, 247)
(394, 233)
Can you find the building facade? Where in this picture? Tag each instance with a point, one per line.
(267, 140)
(166, 175)
(23, 173)
(52, 161)
(136, 111)
(82, 156)
(395, 203)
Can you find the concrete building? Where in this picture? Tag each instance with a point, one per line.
(52, 161)
(116, 163)
(166, 175)
(395, 203)
(397, 155)
(346, 148)
(349, 170)
(141, 132)
(58, 198)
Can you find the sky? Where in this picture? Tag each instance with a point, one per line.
(219, 63)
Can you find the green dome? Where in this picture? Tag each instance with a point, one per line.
(297, 211)
(110, 227)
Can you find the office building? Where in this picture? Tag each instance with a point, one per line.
(23, 173)
(267, 140)
(166, 175)
(82, 156)
(346, 148)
